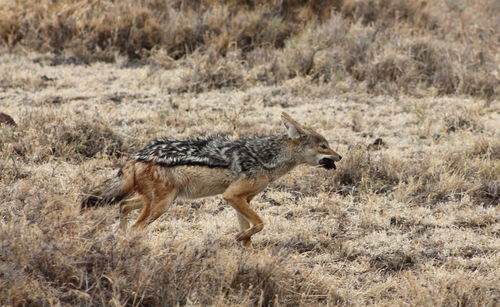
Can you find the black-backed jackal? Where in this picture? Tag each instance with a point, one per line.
(167, 169)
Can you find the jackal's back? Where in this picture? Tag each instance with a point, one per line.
(195, 151)
(241, 156)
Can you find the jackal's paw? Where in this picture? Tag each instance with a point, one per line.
(244, 239)
(246, 243)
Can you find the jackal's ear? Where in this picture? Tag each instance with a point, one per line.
(295, 130)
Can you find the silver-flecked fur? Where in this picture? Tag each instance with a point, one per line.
(240, 156)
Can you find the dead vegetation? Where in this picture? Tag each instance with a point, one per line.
(100, 268)
(385, 47)
(410, 216)
(46, 136)
(406, 92)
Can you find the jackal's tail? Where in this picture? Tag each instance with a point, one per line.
(112, 190)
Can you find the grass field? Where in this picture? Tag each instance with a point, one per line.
(405, 91)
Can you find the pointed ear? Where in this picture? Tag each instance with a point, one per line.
(295, 130)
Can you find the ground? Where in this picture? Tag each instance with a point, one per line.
(410, 219)
(406, 91)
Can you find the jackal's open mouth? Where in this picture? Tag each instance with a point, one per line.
(327, 163)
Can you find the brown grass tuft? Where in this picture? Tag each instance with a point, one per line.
(390, 45)
(45, 136)
(70, 262)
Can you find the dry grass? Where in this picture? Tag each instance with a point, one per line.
(410, 218)
(406, 91)
(380, 46)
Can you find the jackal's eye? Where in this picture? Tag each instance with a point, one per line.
(323, 146)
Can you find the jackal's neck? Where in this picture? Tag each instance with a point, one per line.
(285, 157)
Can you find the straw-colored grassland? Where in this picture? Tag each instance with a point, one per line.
(406, 91)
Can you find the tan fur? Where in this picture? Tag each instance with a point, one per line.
(158, 187)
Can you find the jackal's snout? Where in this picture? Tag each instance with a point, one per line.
(328, 162)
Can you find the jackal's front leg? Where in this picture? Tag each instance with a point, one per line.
(244, 225)
(238, 194)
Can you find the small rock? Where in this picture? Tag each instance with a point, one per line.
(19, 149)
(377, 144)
(46, 79)
(7, 120)
(54, 100)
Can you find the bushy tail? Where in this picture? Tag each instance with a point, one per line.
(112, 190)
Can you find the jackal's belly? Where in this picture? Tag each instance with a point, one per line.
(199, 181)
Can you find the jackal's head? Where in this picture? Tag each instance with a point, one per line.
(313, 148)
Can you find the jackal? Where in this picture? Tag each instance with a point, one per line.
(199, 167)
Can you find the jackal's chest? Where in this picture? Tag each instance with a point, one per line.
(198, 181)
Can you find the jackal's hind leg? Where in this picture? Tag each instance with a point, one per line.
(160, 204)
(146, 210)
(163, 196)
(126, 207)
